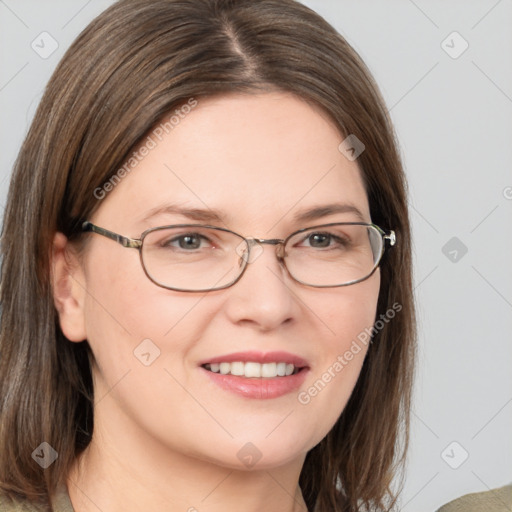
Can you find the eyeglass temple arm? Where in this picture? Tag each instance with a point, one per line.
(123, 240)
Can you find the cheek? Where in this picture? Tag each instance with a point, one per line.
(347, 312)
(128, 316)
(347, 320)
(140, 335)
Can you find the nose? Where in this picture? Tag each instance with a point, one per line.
(263, 297)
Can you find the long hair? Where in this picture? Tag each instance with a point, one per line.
(133, 64)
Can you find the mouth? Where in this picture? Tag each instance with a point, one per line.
(257, 375)
(253, 369)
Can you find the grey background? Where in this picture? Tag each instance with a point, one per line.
(453, 117)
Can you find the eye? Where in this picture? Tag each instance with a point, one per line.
(187, 241)
(322, 240)
(319, 239)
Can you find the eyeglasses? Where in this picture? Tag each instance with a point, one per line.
(201, 258)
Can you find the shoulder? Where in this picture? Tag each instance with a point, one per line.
(61, 503)
(8, 504)
(495, 500)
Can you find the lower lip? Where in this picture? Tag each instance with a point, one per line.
(258, 388)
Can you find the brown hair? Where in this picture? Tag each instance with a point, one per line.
(133, 64)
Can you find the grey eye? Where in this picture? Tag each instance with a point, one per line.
(319, 240)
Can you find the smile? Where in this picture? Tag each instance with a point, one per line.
(257, 375)
(253, 369)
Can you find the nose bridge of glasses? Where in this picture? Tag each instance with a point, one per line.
(258, 242)
(270, 241)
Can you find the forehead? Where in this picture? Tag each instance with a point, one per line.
(256, 159)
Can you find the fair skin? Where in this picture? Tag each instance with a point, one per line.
(165, 436)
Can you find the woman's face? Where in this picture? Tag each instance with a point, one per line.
(258, 161)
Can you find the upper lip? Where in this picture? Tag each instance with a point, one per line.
(258, 357)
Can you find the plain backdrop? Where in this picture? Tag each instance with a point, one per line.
(445, 71)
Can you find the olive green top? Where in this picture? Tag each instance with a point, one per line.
(62, 503)
(495, 500)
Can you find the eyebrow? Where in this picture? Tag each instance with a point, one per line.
(197, 214)
(210, 215)
(328, 209)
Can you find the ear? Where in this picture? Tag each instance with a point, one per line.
(68, 285)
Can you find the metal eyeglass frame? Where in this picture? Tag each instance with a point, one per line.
(136, 243)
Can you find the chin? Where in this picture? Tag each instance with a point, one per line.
(259, 453)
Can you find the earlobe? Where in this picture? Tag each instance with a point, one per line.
(68, 286)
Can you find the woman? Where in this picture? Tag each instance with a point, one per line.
(257, 353)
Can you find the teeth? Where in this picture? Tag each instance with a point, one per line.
(237, 368)
(281, 369)
(251, 369)
(268, 370)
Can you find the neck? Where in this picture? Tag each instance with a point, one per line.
(127, 470)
